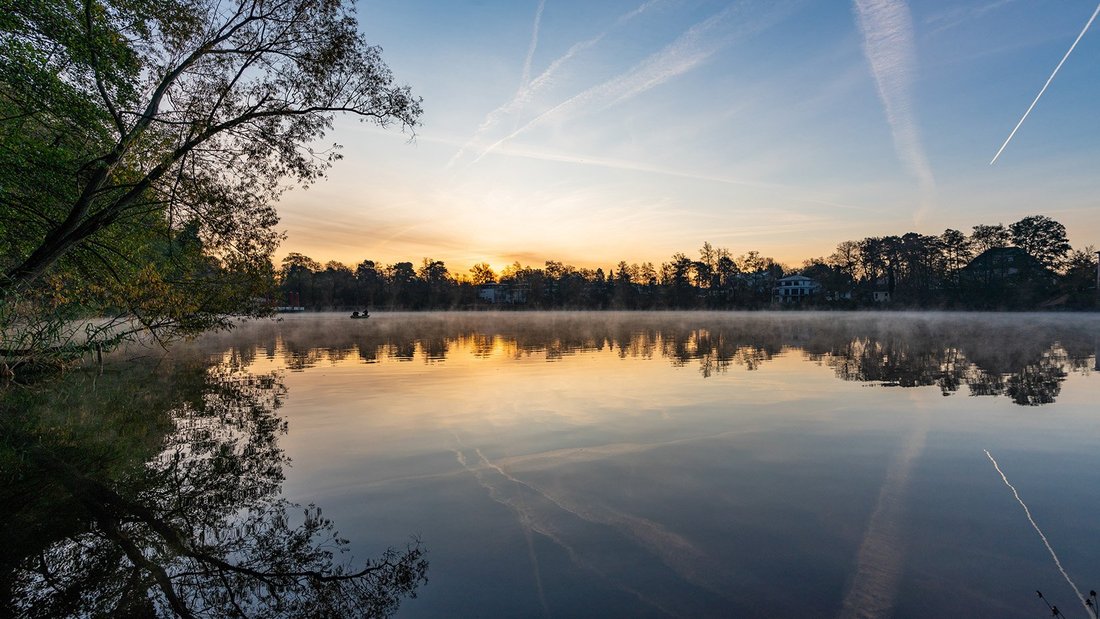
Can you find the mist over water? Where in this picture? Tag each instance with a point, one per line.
(1023, 356)
(683, 464)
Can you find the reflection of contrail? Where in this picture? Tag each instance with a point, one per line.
(1038, 530)
(524, 522)
(538, 572)
(879, 560)
(675, 551)
(534, 512)
(1044, 88)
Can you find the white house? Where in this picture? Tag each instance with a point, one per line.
(497, 293)
(795, 288)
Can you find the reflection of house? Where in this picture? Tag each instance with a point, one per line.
(502, 294)
(795, 288)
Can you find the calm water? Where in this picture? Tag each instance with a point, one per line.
(566, 465)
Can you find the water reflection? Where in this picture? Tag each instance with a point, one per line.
(655, 465)
(561, 465)
(154, 490)
(988, 354)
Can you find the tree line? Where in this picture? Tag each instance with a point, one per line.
(1032, 265)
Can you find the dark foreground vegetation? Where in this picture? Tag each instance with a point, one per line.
(142, 145)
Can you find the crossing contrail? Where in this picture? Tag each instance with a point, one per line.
(526, 79)
(530, 86)
(1053, 555)
(1044, 88)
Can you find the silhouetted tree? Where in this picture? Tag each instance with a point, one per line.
(957, 253)
(369, 282)
(1043, 238)
(481, 274)
(436, 279)
(984, 237)
(297, 275)
(402, 284)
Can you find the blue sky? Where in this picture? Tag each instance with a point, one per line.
(593, 132)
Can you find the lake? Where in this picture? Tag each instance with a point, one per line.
(569, 465)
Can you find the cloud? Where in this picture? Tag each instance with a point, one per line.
(887, 29)
(784, 191)
(688, 51)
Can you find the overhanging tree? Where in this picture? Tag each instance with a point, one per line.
(184, 112)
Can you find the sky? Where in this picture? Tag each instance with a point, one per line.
(593, 132)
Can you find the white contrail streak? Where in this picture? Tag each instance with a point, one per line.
(1044, 88)
(1027, 512)
(530, 87)
(531, 48)
(887, 29)
(691, 49)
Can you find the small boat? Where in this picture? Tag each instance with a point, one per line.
(357, 315)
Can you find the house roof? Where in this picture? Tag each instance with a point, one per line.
(999, 256)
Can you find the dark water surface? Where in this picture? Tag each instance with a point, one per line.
(566, 465)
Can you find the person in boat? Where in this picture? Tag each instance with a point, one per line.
(355, 314)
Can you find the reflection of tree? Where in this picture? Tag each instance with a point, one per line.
(898, 362)
(1034, 377)
(1036, 384)
(989, 354)
(199, 529)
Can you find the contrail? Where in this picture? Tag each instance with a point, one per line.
(1027, 511)
(887, 29)
(691, 49)
(1044, 88)
(530, 87)
(531, 48)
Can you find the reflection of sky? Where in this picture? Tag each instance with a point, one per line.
(599, 485)
(605, 131)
